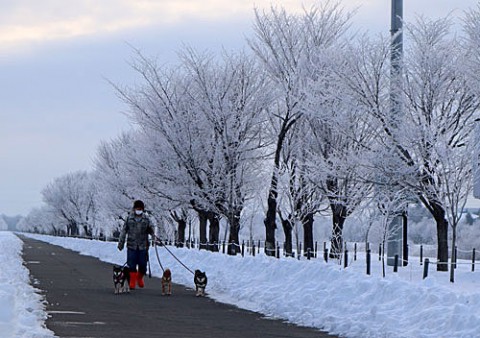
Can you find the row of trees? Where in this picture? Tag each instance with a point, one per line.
(301, 123)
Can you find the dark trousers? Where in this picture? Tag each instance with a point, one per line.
(137, 257)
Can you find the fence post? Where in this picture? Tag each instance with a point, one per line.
(355, 251)
(425, 268)
(421, 254)
(473, 260)
(299, 253)
(345, 260)
(309, 253)
(325, 254)
(258, 246)
(395, 264)
(243, 248)
(368, 261)
(380, 251)
(278, 251)
(315, 252)
(253, 248)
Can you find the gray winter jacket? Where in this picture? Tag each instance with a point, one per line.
(136, 229)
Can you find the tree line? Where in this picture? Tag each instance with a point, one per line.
(299, 123)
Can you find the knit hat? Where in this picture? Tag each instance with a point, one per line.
(138, 205)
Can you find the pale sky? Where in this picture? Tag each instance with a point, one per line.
(55, 56)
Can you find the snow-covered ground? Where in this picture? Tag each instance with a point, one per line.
(311, 293)
(22, 313)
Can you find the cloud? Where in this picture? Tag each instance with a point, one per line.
(27, 21)
(32, 21)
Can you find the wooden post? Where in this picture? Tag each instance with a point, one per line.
(473, 260)
(425, 268)
(395, 264)
(355, 251)
(421, 254)
(345, 259)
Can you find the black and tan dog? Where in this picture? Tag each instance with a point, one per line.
(200, 280)
(167, 282)
(121, 279)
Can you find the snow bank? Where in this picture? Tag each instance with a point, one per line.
(22, 312)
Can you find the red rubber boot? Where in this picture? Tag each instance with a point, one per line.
(140, 282)
(133, 280)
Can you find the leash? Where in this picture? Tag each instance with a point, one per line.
(171, 253)
(148, 262)
(158, 257)
(149, 269)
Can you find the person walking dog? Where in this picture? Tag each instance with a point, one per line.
(135, 230)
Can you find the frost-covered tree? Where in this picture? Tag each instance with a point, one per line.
(43, 220)
(232, 96)
(300, 199)
(438, 113)
(118, 187)
(71, 198)
(134, 166)
(455, 168)
(283, 42)
(205, 116)
(440, 110)
(3, 224)
(163, 108)
(344, 83)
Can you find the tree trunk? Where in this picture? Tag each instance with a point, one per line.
(270, 222)
(308, 234)
(73, 229)
(453, 259)
(202, 218)
(438, 213)
(88, 231)
(287, 229)
(233, 240)
(270, 219)
(214, 231)
(339, 214)
(181, 225)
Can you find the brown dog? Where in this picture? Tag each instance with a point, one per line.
(167, 283)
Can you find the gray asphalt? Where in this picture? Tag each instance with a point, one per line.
(81, 303)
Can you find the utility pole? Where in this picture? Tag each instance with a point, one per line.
(397, 234)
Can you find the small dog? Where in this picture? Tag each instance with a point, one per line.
(167, 282)
(200, 280)
(121, 279)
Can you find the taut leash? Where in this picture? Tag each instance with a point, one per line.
(171, 253)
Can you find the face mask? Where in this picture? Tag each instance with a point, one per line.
(138, 212)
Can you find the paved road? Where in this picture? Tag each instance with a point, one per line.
(81, 303)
